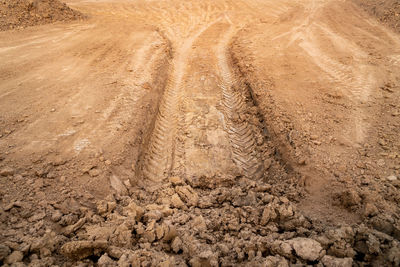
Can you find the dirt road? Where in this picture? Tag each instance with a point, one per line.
(201, 132)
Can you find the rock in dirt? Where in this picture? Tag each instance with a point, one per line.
(118, 186)
(306, 248)
(133, 211)
(106, 261)
(4, 251)
(199, 224)
(82, 249)
(14, 257)
(6, 171)
(122, 236)
(268, 214)
(169, 232)
(37, 217)
(70, 229)
(94, 172)
(370, 210)
(166, 263)
(125, 261)
(104, 207)
(13, 204)
(187, 194)
(275, 261)
(174, 180)
(248, 200)
(164, 209)
(329, 261)
(153, 215)
(95, 232)
(282, 248)
(56, 216)
(115, 252)
(176, 244)
(205, 258)
(393, 256)
(44, 253)
(177, 202)
(349, 198)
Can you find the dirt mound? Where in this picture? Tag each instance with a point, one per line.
(387, 11)
(23, 13)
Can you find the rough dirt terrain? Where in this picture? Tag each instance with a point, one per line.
(387, 11)
(17, 14)
(201, 133)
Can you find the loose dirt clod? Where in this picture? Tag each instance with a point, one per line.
(82, 249)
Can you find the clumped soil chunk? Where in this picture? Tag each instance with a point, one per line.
(23, 13)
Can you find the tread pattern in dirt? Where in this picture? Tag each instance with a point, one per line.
(241, 132)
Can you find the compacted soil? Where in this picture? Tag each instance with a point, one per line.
(200, 133)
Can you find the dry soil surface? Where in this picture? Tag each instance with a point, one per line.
(387, 11)
(201, 133)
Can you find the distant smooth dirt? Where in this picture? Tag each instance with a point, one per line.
(23, 13)
(387, 11)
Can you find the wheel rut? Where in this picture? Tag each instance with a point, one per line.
(134, 87)
(158, 158)
(203, 127)
(241, 133)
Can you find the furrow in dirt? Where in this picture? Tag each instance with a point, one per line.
(245, 152)
(159, 156)
(136, 87)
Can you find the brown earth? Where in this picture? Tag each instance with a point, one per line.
(17, 14)
(387, 11)
(201, 133)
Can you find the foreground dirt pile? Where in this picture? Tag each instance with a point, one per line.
(181, 223)
(387, 11)
(201, 133)
(15, 14)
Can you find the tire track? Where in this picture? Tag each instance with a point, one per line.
(356, 81)
(241, 134)
(158, 159)
(202, 144)
(120, 112)
(158, 156)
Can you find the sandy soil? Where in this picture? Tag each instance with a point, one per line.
(17, 14)
(201, 133)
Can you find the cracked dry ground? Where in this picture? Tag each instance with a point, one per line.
(201, 133)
